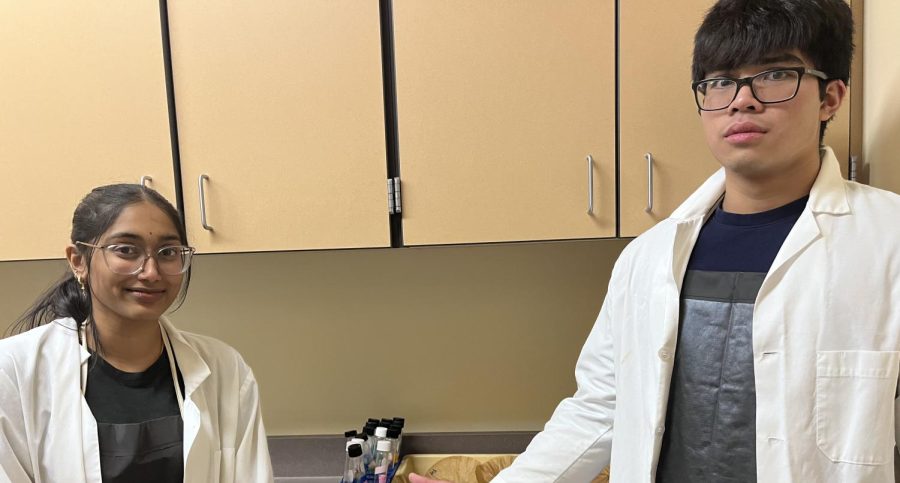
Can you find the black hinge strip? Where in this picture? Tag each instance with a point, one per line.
(618, 129)
(170, 96)
(390, 110)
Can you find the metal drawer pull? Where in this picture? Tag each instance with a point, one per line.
(144, 180)
(649, 158)
(203, 202)
(590, 166)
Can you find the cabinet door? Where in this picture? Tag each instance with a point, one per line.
(658, 114)
(280, 104)
(83, 104)
(499, 104)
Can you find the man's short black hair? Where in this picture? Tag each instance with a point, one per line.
(735, 33)
(742, 32)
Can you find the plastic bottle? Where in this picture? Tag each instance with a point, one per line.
(401, 422)
(354, 471)
(359, 441)
(393, 435)
(369, 451)
(382, 461)
(364, 438)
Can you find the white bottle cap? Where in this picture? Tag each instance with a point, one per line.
(383, 445)
(381, 432)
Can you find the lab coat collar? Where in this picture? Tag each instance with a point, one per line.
(701, 200)
(827, 195)
(193, 368)
(70, 324)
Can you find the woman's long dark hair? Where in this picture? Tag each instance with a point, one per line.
(93, 216)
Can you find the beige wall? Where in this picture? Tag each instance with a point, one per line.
(452, 338)
(881, 111)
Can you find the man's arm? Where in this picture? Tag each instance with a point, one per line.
(575, 444)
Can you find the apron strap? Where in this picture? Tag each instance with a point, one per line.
(173, 368)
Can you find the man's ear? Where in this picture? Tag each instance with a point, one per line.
(835, 92)
(77, 262)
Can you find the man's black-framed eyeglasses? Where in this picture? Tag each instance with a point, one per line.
(769, 87)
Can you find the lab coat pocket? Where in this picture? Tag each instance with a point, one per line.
(855, 393)
(224, 462)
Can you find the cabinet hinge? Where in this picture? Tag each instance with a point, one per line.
(394, 205)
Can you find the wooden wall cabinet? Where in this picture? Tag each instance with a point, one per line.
(499, 104)
(280, 104)
(83, 104)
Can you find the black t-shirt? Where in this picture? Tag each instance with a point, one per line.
(139, 423)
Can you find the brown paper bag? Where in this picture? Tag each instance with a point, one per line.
(603, 477)
(458, 469)
(486, 471)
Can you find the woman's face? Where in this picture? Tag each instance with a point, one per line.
(146, 295)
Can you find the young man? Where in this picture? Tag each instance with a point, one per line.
(755, 334)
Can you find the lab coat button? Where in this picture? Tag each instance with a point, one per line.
(659, 431)
(664, 354)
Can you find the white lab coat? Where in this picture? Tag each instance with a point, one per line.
(48, 434)
(826, 348)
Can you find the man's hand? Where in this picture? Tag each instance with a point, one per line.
(414, 478)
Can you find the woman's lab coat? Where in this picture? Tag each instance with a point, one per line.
(48, 434)
(826, 349)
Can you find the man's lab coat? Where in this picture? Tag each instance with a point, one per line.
(826, 348)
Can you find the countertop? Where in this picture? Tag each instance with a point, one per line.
(310, 459)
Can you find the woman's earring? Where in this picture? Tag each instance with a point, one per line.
(81, 284)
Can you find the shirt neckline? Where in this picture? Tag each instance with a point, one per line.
(133, 379)
(792, 209)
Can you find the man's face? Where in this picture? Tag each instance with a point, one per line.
(758, 141)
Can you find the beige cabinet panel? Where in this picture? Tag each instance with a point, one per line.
(499, 104)
(659, 116)
(83, 104)
(657, 111)
(280, 104)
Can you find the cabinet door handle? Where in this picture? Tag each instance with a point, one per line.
(202, 178)
(144, 180)
(590, 166)
(649, 158)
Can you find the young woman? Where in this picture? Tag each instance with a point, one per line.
(100, 386)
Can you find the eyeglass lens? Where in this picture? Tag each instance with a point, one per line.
(129, 259)
(767, 87)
